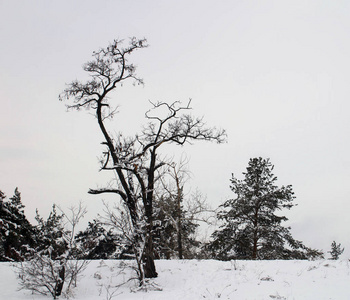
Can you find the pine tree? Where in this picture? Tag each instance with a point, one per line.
(50, 234)
(336, 250)
(16, 232)
(96, 242)
(251, 228)
(3, 226)
(167, 227)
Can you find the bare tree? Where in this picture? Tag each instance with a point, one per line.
(117, 218)
(73, 266)
(42, 275)
(134, 160)
(46, 272)
(174, 192)
(183, 210)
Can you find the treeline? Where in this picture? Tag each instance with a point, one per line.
(104, 238)
(52, 252)
(249, 227)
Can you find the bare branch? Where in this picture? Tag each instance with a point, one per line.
(179, 129)
(103, 191)
(108, 67)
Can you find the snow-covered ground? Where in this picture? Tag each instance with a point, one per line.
(206, 279)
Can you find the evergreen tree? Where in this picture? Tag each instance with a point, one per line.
(96, 242)
(15, 230)
(3, 226)
(167, 214)
(336, 250)
(251, 228)
(50, 234)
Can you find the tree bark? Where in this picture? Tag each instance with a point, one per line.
(60, 282)
(179, 221)
(148, 258)
(255, 235)
(255, 248)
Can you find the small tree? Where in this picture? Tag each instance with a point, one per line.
(118, 220)
(336, 250)
(44, 271)
(174, 232)
(50, 234)
(50, 261)
(177, 215)
(72, 264)
(251, 228)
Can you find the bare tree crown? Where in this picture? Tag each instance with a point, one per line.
(108, 67)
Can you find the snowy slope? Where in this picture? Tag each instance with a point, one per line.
(206, 279)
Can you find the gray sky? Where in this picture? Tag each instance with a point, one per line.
(274, 74)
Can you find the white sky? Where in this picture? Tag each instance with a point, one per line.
(274, 74)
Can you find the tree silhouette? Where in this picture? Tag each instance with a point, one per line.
(134, 160)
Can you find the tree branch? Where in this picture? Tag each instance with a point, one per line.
(102, 191)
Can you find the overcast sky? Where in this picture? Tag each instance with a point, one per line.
(274, 74)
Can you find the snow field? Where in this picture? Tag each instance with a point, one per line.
(204, 279)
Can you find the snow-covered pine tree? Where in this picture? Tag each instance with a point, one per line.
(251, 229)
(3, 226)
(336, 250)
(15, 230)
(98, 242)
(166, 231)
(50, 234)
